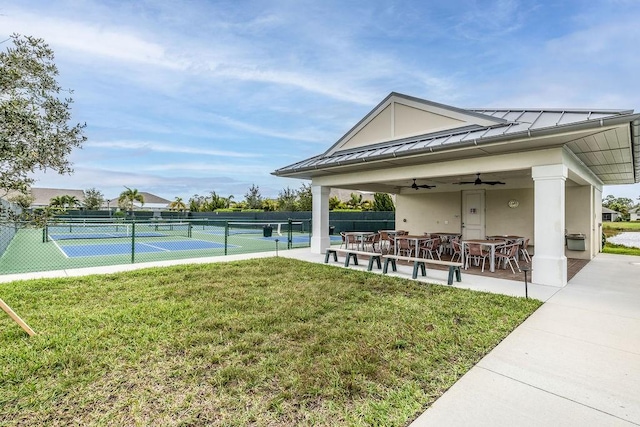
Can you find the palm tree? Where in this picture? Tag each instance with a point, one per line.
(178, 205)
(71, 201)
(58, 202)
(63, 202)
(129, 196)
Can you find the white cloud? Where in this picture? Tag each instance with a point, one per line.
(166, 148)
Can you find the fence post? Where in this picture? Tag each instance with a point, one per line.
(226, 234)
(133, 242)
(290, 235)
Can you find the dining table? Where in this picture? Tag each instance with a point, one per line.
(509, 239)
(491, 243)
(360, 237)
(445, 237)
(415, 239)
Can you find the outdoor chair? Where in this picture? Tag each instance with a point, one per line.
(457, 250)
(476, 252)
(385, 242)
(372, 242)
(524, 250)
(510, 254)
(431, 247)
(349, 239)
(405, 247)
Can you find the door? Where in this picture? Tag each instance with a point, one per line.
(473, 220)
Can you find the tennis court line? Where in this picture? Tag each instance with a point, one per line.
(154, 247)
(60, 248)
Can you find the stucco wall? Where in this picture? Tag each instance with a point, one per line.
(501, 219)
(428, 212)
(441, 212)
(578, 218)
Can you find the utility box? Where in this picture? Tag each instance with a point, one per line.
(576, 242)
(267, 231)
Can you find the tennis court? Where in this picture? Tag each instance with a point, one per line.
(105, 249)
(65, 245)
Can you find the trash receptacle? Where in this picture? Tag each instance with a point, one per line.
(332, 229)
(267, 231)
(576, 242)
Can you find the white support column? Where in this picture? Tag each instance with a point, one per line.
(549, 266)
(320, 217)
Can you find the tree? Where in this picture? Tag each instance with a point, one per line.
(253, 197)
(334, 202)
(93, 199)
(178, 205)
(619, 204)
(129, 196)
(196, 203)
(215, 202)
(355, 201)
(305, 198)
(22, 200)
(58, 202)
(269, 205)
(383, 202)
(287, 200)
(64, 201)
(34, 129)
(72, 201)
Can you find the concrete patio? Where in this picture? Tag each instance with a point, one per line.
(574, 362)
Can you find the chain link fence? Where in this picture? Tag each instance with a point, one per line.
(80, 241)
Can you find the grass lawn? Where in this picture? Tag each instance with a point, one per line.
(260, 342)
(621, 226)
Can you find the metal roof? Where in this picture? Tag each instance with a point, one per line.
(607, 151)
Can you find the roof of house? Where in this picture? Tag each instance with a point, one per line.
(488, 126)
(149, 200)
(607, 210)
(43, 196)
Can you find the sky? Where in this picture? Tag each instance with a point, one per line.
(187, 97)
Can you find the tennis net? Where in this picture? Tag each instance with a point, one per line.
(74, 230)
(258, 227)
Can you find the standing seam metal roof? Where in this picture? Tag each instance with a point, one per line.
(518, 121)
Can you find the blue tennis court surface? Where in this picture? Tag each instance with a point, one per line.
(74, 251)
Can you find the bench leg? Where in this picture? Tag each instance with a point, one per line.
(454, 270)
(355, 260)
(371, 259)
(388, 261)
(330, 252)
(423, 269)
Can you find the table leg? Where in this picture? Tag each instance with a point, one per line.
(492, 261)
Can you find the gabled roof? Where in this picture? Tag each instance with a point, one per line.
(149, 200)
(610, 211)
(618, 152)
(43, 196)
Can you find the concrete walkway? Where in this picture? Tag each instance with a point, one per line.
(574, 362)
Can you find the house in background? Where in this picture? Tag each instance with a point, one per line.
(534, 172)
(42, 196)
(634, 214)
(609, 215)
(151, 203)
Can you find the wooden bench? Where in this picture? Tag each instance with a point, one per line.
(353, 254)
(420, 263)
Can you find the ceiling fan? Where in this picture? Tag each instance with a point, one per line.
(478, 181)
(416, 186)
